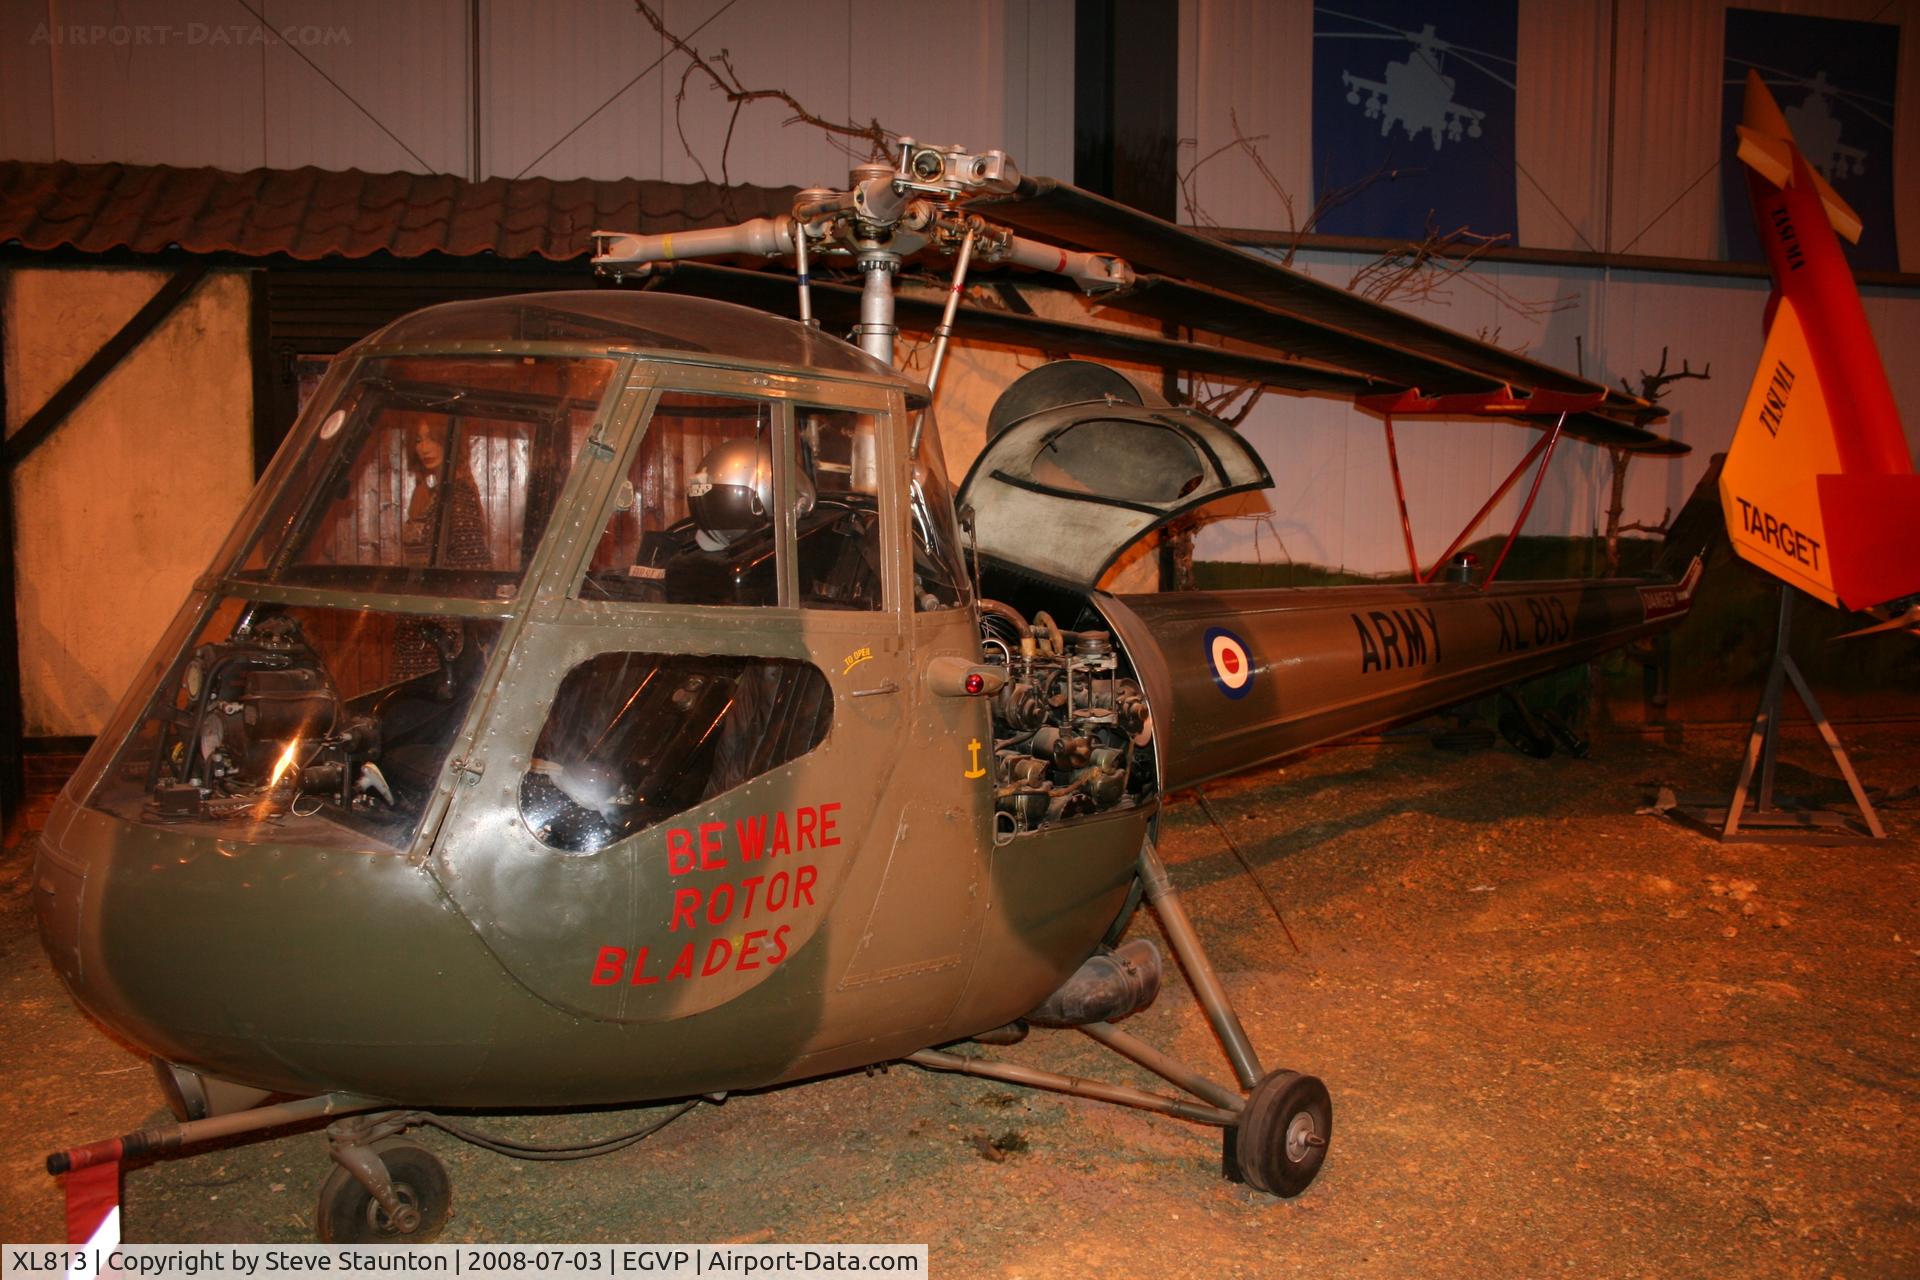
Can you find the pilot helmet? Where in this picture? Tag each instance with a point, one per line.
(731, 493)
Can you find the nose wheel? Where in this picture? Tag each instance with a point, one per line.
(1282, 1137)
(419, 1199)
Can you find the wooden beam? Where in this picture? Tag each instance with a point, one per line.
(13, 782)
(39, 428)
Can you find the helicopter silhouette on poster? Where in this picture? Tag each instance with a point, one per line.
(1417, 94)
(605, 698)
(1835, 83)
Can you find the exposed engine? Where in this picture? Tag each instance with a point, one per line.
(1071, 732)
(258, 716)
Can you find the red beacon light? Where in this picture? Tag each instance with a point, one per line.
(953, 677)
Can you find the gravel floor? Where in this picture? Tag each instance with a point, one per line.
(1560, 1036)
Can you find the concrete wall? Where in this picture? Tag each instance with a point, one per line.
(125, 505)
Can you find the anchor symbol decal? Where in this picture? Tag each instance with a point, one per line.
(973, 748)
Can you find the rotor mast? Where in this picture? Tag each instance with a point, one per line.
(886, 214)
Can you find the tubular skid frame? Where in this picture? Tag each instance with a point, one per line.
(1054, 1082)
(1219, 1105)
(1167, 1068)
(187, 1133)
(1165, 901)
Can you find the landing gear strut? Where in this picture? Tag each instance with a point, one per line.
(1274, 1139)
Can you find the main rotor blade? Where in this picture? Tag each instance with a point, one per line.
(838, 306)
(1346, 328)
(1231, 316)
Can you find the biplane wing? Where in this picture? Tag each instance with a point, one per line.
(1197, 280)
(1614, 424)
(1818, 488)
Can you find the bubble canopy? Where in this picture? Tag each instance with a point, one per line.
(314, 688)
(635, 320)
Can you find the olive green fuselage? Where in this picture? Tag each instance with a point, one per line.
(480, 966)
(1325, 663)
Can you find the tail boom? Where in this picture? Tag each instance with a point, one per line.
(1241, 678)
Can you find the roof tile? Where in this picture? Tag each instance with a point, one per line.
(315, 213)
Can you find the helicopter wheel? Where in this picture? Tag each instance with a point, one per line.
(1283, 1134)
(348, 1213)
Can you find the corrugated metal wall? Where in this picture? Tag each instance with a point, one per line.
(578, 88)
(567, 88)
(572, 88)
(1251, 61)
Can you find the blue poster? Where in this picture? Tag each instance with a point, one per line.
(1413, 108)
(1834, 82)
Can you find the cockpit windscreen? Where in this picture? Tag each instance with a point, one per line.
(430, 475)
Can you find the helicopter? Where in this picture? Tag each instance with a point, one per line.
(605, 696)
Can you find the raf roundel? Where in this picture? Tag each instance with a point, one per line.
(1227, 658)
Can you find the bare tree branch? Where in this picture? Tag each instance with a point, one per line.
(1424, 270)
(1421, 270)
(1654, 385)
(719, 70)
(1249, 147)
